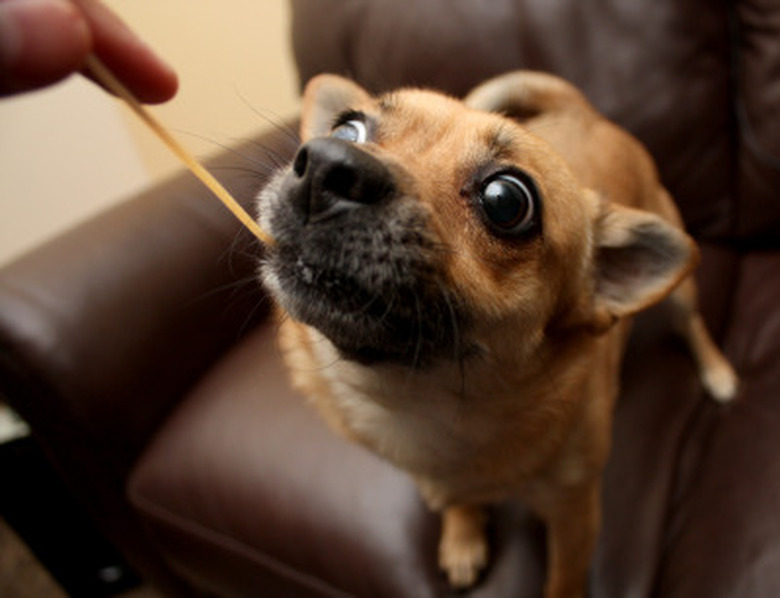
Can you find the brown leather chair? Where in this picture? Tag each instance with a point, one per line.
(139, 345)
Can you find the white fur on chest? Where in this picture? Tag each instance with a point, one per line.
(406, 417)
(435, 425)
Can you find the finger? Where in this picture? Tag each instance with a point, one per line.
(41, 42)
(143, 72)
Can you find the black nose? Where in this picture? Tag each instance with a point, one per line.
(333, 175)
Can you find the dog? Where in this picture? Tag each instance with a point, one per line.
(456, 281)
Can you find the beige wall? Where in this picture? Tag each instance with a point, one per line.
(70, 151)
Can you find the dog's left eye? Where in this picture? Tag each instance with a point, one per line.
(353, 130)
(510, 203)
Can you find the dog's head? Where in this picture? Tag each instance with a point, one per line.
(413, 227)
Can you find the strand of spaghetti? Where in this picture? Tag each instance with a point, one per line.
(103, 74)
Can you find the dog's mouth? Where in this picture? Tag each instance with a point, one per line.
(373, 302)
(369, 280)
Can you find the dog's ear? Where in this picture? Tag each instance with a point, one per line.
(639, 259)
(523, 95)
(324, 99)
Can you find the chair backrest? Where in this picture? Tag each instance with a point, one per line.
(696, 80)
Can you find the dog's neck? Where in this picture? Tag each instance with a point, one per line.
(535, 364)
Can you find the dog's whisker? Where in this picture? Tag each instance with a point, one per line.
(420, 332)
(231, 149)
(278, 159)
(271, 118)
(457, 351)
(252, 315)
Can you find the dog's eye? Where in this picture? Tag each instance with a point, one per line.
(353, 130)
(510, 203)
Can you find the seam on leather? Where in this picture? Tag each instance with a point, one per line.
(696, 436)
(224, 542)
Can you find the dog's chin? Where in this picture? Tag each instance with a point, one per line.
(407, 326)
(359, 336)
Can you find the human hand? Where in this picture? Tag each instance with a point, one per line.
(43, 41)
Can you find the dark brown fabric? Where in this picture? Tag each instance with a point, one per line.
(756, 56)
(723, 523)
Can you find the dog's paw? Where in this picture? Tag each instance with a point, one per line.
(721, 382)
(463, 558)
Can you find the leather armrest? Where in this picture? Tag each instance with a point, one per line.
(102, 329)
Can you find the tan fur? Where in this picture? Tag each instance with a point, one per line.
(531, 417)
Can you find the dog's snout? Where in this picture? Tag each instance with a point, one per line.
(333, 175)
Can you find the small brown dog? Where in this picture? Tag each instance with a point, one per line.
(459, 277)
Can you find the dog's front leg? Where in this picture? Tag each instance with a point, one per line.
(573, 519)
(463, 549)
